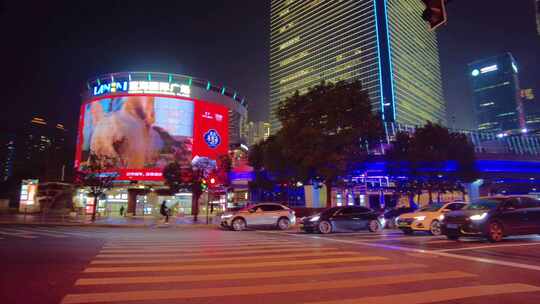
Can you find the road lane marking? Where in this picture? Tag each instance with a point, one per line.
(196, 249)
(186, 243)
(218, 253)
(177, 294)
(489, 246)
(232, 265)
(247, 275)
(439, 295)
(194, 244)
(18, 234)
(438, 242)
(183, 260)
(433, 252)
(34, 231)
(203, 242)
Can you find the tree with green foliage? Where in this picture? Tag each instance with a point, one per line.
(434, 159)
(97, 175)
(325, 133)
(190, 177)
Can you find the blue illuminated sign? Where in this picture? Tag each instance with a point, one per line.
(112, 87)
(212, 138)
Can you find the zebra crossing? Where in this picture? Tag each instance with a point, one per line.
(267, 269)
(49, 232)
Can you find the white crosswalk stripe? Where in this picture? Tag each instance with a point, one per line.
(34, 232)
(17, 234)
(209, 268)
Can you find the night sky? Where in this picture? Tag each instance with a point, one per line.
(50, 48)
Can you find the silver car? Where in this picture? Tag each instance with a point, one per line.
(265, 214)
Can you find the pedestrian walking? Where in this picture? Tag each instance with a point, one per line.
(164, 210)
(122, 210)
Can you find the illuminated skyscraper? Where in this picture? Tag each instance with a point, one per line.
(496, 94)
(538, 16)
(383, 43)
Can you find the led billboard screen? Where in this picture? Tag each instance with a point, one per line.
(139, 134)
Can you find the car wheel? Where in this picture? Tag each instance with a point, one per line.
(435, 228)
(325, 227)
(408, 231)
(452, 237)
(495, 232)
(238, 224)
(374, 226)
(283, 223)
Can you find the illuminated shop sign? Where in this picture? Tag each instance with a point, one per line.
(488, 69)
(137, 87)
(484, 70)
(28, 191)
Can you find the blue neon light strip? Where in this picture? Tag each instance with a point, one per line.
(390, 60)
(483, 166)
(379, 57)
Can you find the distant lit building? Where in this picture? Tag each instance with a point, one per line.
(538, 16)
(255, 132)
(36, 150)
(496, 94)
(531, 110)
(384, 44)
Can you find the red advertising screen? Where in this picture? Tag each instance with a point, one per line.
(210, 130)
(138, 135)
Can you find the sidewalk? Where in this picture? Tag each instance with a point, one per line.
(127, 222)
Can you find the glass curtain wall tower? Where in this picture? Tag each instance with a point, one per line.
(383, 43)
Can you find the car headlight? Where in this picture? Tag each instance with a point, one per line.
(226, 216)
(478, 217)
(441, 217)
(315, 218)
(420, 218)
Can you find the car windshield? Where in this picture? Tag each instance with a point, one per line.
(431, 208)
(483, 204)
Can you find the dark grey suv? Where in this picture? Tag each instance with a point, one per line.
(494, 218)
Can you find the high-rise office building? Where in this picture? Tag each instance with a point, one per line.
(496, 94)
(34, 150)
(383, 43)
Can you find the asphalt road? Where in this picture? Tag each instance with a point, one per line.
(187, 264)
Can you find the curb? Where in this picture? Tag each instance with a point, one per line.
(155, 225)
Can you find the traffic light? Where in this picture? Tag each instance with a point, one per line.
(212, 181)
(204, 185)
(435, 13)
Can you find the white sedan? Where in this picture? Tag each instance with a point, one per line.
(427, 218)
(265, 214)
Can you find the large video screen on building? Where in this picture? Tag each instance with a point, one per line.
(138, 135)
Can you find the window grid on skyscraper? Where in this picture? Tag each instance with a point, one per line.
(336, 40)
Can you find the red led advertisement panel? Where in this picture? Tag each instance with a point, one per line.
(211, 130)
(138, 135)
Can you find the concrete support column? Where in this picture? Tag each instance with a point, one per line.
(132, 201)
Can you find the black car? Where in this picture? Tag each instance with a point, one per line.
(494, 218)
(341, 219)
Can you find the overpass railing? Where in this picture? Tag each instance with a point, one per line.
(484, 142)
